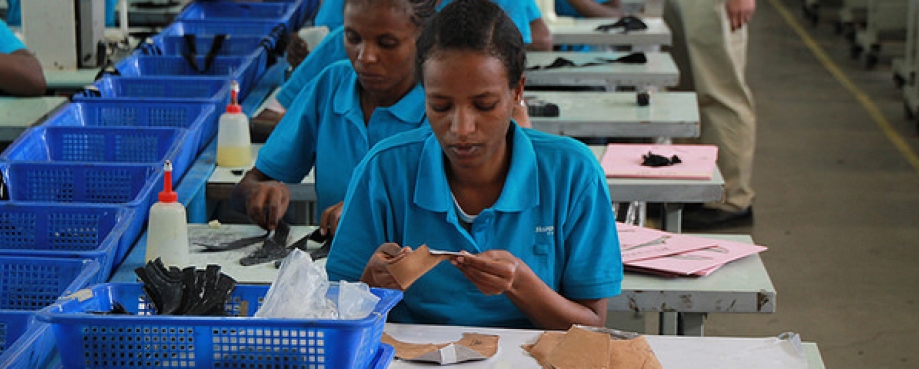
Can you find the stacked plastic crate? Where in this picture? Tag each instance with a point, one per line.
(79, 187)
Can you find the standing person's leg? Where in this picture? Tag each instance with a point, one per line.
(718, 62)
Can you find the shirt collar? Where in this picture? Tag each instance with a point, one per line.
(521, 189)
(409, 109)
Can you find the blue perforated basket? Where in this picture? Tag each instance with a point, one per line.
(92, 341)
(207, 90)
(29, 284)
(212, 28)
(139, 145)
(244, 69)
(103, 233)
(231, 46)
(274, 13)
(199, 118)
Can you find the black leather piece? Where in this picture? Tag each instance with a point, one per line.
(626, 23)
(653, 160)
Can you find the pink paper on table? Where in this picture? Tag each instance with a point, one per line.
(639, 243)
(698, 262)
(624, 161)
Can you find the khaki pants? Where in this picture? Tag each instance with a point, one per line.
(712, 62)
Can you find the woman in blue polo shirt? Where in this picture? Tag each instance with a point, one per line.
(529, 211)
(20, 72)
(350, 107)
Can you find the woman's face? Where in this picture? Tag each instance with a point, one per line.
(469, 106)
(380, 42)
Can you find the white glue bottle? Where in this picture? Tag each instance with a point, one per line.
(167, 229)
(233, 142)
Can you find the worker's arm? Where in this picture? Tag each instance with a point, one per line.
(593, 9)
(21, 74)
(542, 37)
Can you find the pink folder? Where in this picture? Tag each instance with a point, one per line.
(639, 243)
(624, 161)
(697, 262)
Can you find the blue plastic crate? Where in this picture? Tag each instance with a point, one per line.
(88, 340)
(103, 233)
(206, 90)
(27, 285)
(283, 13)
(212, 28)
(199, 118)
(35, 348)
(245, 69)
(139, 145)
(130, 185)
(231, 46)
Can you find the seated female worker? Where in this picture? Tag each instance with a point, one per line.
(20, 71)
(524, 13)
(350, 107)
(588, 8)
(529, 211)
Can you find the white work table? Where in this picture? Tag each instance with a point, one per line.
(617, 114)
(574, 31)
(659, 71)
(222, 181)
(19, 113)
(672, 352)
(742, 286)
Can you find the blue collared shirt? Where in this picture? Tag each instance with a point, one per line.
(8, 41)
(325, 128)
(554, 214)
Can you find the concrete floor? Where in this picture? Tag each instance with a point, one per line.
(837, 203)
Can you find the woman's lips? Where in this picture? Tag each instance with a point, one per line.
(465, 150)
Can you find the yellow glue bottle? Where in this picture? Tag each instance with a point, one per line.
(167, 228)
(233, 142)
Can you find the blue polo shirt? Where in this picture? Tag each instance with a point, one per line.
(330, 14)
(8, 40)
(554, 213)
(326, 129)
(563, 8)
(332, 47)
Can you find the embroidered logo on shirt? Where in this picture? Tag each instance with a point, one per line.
(547, 230)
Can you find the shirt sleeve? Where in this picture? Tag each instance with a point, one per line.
(331, 14)
(290, 151)
(594, 266)
(330, 50)
(8, 40)
(363, 222)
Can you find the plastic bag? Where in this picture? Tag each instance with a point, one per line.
(299, 291)
(355, 301)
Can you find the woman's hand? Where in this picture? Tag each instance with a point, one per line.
(493, 272)
(331, 216)
(376, 273)
(297, 50)
(267, 202)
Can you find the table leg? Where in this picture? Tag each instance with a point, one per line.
(691, 324)
(673, 215)
(668, 323)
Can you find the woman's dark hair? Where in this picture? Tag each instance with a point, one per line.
(477, 25)
(421, 10)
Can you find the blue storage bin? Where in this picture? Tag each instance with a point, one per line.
(231, 46)
(144, 145)
(103, 233)
(206, 90)
(35, 348)
(89, 340)
(245, 69)
(131, 185)
(212, 28)
(27, 285)
(199, 118)
(275, 13)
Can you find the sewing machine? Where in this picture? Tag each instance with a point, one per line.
(65, 34)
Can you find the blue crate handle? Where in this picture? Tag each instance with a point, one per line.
(108, 69)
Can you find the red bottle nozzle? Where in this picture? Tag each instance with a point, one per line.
(234, 106)
(168, 195)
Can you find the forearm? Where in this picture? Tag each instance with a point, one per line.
(21, 74)
(548, 309)
(542, 37)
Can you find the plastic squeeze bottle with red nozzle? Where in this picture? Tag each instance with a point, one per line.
(167, 228)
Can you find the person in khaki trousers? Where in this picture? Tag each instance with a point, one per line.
(710, 48)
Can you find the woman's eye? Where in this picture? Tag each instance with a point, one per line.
(388, 43)
(440, 108)
(352, 38)
(486, 106)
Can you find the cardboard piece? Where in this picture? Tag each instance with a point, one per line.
(408, 269)
(573, 349)
(624, 160)
(472, 346)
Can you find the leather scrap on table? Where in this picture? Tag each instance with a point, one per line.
(407, 270)
(274, 247)
(654, 160)
(473, 346)
(315, 236)
(560, 62)
(188, 291)
(593, 348)
(626, 24)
